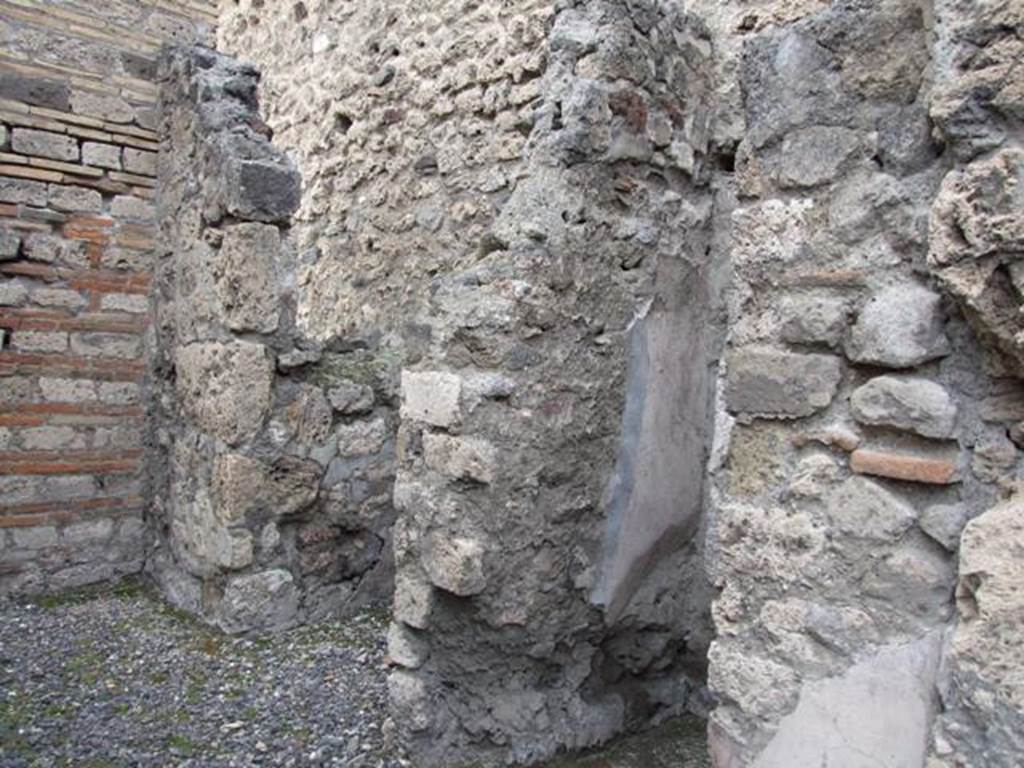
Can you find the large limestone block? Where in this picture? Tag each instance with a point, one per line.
(454, 564)
(815, 155)
(908, 403)
(814, 320)
(979, 84)
(901, 327)
(878, 713)
(461, 458)
(769, 383)
(985, 701)
(225, 387)
(756, 684)
(414, 600)
(976, 238)
(246, 277)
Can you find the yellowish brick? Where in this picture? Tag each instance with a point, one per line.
(13, 106)
(131, 178)
(66, 117)
(131, 141)
(33, 121)
(54, 165)
(27, 172)
(90, 133)
(141, 133)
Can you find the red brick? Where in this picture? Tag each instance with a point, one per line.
(69, 463)
(106, 281)
(60, 512)
(92, 367)
(40, 320)
(914, 469)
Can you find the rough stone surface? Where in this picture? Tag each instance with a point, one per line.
(944, 523)
(226, 388)
(882, 707)
(44, 144)
(432, 397)
(814, 320)
(907, 403)
(261, 601)
(246, 277)
(900, 327)
(977, 237)
(579, 321)
(982, 722)
(825, 576)
(455, 565)
(267, 522)
(764, 382)
(863, 508)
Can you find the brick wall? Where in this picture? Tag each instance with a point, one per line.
(77, 173)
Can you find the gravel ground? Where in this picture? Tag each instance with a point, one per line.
(122, 680)
(119, 679)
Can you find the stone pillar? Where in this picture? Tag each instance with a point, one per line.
(553, 440)
(254, 536)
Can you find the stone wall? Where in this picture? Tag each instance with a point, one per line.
(671, 351)
(505, 207)
(251, 427)
(550, 591)
(77, 171)
(874, 230)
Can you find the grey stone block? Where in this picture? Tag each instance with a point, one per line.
(10, 244)
(54, 146)
(765, 382)
(901, 327)
(260, 601)
(22, 191)
(908, 403)
(101, 155)
(37, 91)
(865, 509)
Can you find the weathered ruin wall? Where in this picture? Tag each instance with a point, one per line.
(256, 532)
(869, 408)
(77, 171)
(551, 455)
(408, 128)
(510, 204)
